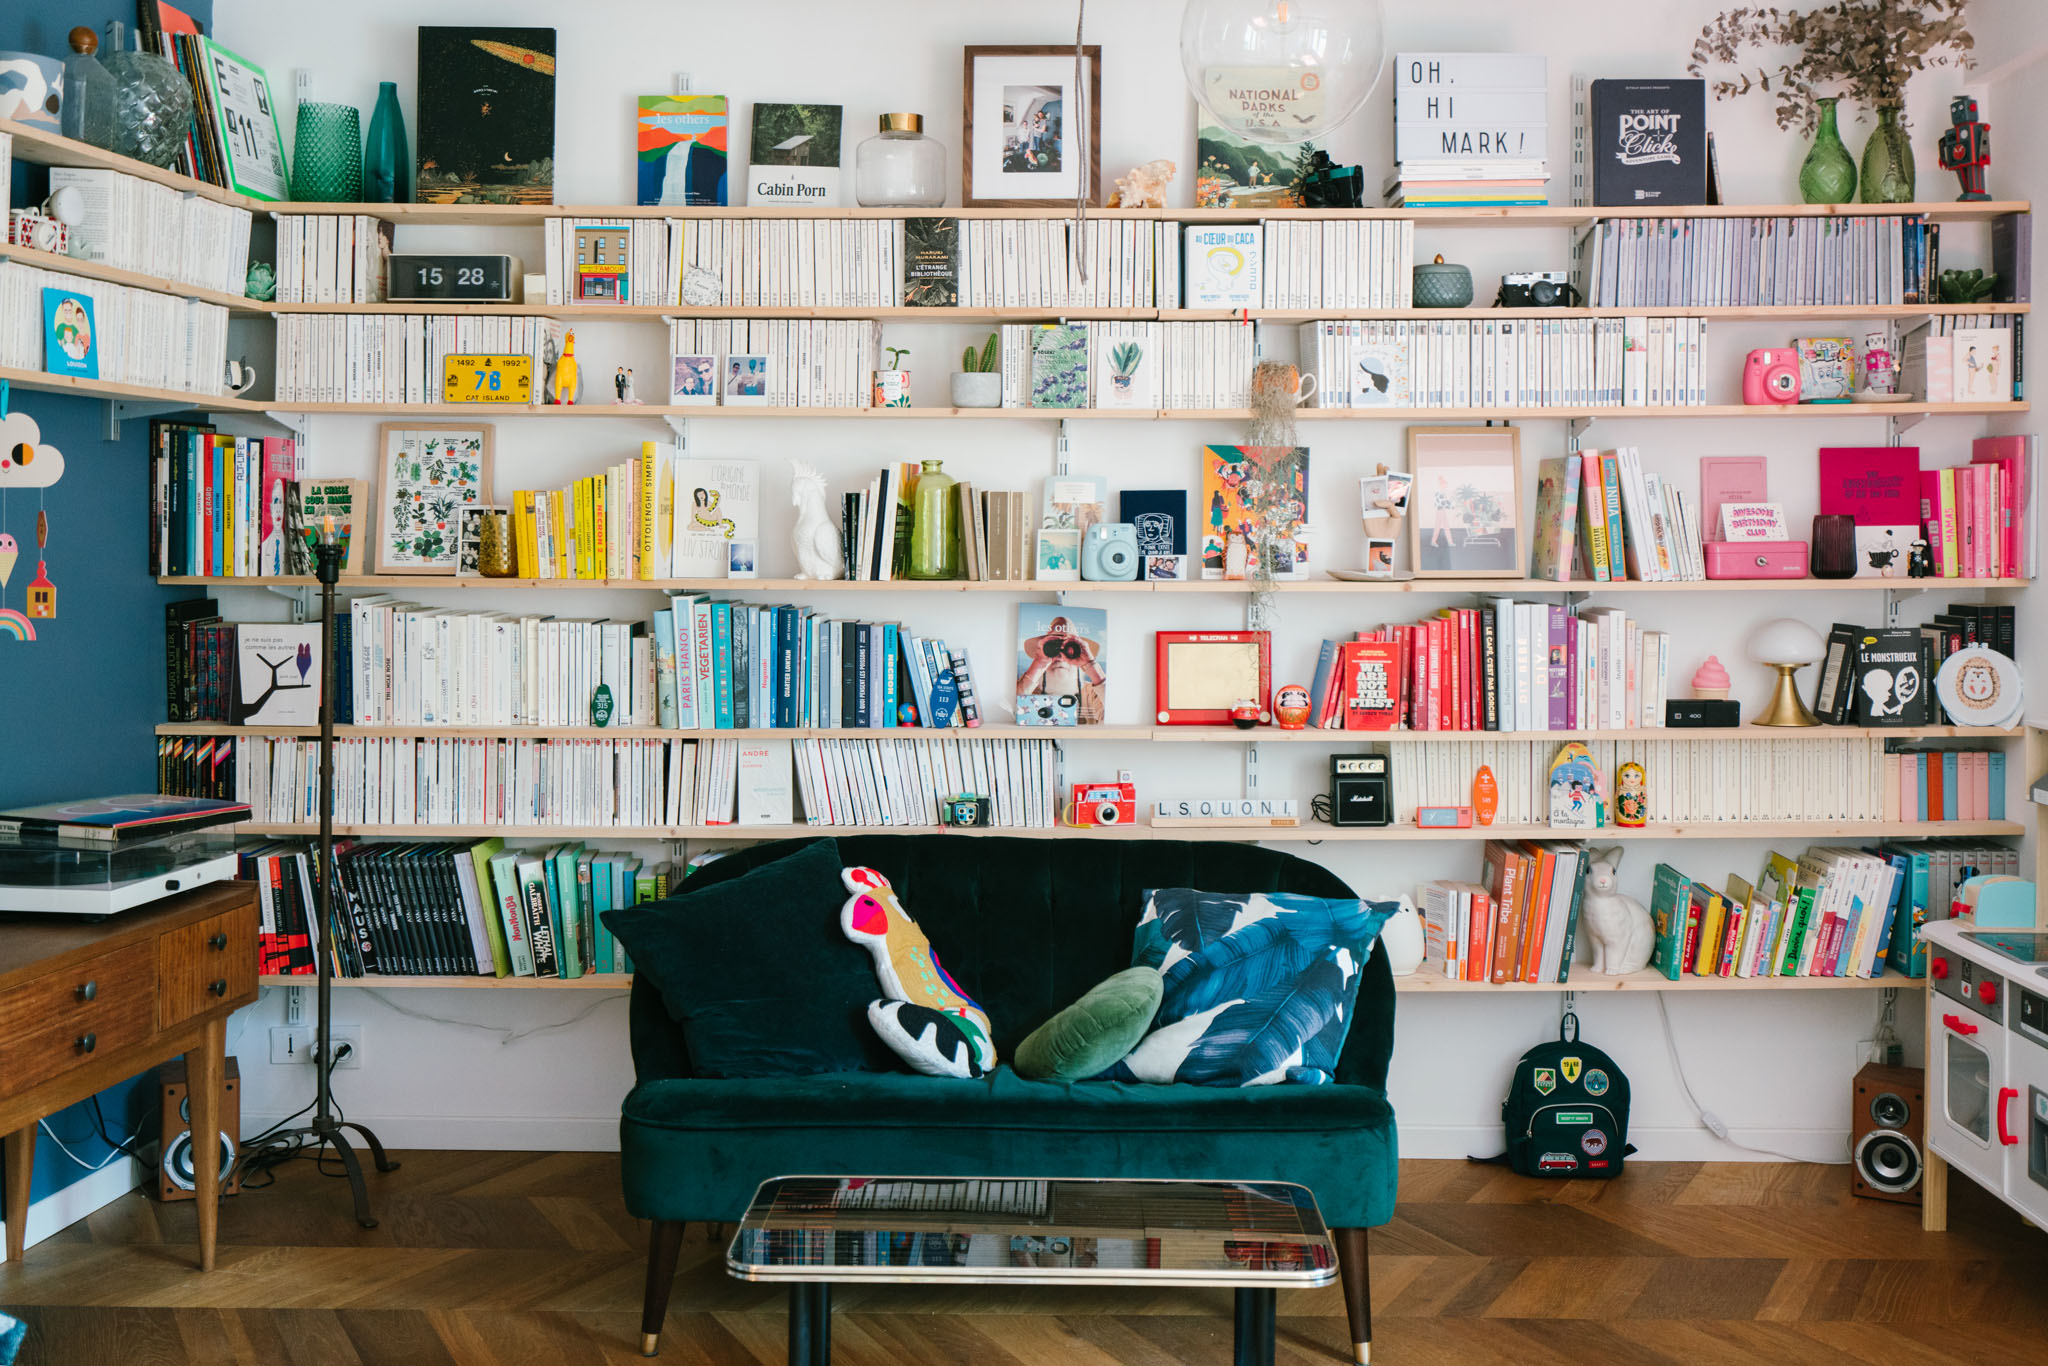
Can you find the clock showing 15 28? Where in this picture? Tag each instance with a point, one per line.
(487, 379)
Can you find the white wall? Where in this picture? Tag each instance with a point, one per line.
(1774, 1066)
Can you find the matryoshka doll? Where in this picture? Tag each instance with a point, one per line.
(1631, 795)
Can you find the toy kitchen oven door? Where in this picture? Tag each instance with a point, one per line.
(1969, 1099)
(2026, 1173)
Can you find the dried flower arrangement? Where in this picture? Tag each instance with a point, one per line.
(1864, 50)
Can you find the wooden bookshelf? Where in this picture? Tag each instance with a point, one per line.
(1425, 587)
(1409, 415)
(40, 147)
(1422, 982)
(35, 381)
(93, 270)
(1310, 833)
(1202, 735)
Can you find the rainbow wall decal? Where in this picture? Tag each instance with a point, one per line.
(13, 625)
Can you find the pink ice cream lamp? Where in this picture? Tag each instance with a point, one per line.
(1711, 683)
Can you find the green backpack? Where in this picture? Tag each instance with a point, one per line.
(1566, 1110)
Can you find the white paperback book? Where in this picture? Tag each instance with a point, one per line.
(277, 675)
(764, 783)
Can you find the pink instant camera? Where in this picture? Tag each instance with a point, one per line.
(1770, 376)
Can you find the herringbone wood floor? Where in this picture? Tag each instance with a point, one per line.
(487, 1258)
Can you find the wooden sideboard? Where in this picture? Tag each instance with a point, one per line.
(85, 1003)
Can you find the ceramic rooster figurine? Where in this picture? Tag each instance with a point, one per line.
(819, 554)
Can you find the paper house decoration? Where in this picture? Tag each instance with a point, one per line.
(42, 594)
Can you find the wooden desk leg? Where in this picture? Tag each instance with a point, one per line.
(1934, 1195)
(21, 1165)
(206, 1070)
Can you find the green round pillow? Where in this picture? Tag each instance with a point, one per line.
(1095, 1032)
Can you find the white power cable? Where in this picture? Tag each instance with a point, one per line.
(1712, 1122)
(121, 1151)
(505, 1036)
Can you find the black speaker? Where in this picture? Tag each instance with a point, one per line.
(1361, 790)
(1887, 1123)
(174, 1179)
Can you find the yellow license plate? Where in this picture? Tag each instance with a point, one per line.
(487, 379)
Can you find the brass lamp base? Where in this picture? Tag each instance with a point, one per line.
(1786, 707)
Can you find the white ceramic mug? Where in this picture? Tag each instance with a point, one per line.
(240, 376)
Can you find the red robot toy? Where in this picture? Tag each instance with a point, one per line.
(1966, 147)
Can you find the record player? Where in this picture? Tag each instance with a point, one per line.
(68, 875)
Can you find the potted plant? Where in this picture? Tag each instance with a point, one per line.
(1862, 50)
(892, 386)
(979, 384)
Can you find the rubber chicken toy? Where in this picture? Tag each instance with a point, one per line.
(565, 370)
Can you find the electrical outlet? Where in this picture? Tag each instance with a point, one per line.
(1866, 1050)
(296, 1043)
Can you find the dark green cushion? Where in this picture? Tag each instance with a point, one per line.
(756, 970)
(696, 1150)
(1095, 1032)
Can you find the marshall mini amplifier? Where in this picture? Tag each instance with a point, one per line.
(1361, 790)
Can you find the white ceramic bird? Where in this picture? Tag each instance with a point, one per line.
(819, 552)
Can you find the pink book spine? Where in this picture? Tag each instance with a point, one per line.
(1571, 672)
(1930, 515)
(1980, 515)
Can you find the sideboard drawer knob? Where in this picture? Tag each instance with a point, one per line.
(217, 943)
(219, 987)
(88, 990)
(88, 1042)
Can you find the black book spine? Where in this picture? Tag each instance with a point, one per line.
(540, 933)
(423, 900)
(1489, 669)
(460, 948)
(405, 962)
(861, 666)
(348, 881)
(849, 674)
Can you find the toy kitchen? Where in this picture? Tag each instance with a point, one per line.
(1987, 1061)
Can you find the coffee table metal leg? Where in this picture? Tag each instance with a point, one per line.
(1252, 1335)
(821, 1324)
(810, 1324)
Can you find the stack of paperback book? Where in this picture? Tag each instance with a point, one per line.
(1471, 130)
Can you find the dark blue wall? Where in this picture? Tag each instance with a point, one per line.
(88, 691)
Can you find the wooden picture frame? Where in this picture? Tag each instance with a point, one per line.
(1015, 171)
(1465, 507)
(427, 473)
(1202, 674)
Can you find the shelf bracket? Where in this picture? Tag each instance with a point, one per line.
(1063, 450)
(681, 427)
(1575, 429)
(1898, 424)
(301, 600)
(1251, 769)
(234, 421)
(1569, 1004)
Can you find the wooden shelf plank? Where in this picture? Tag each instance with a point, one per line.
(1423, 982)
(93, 270)
(36, 381)
(1426, 587)
(44, 148)
(1203, 735)
(657, 312)
(1411, 415)
(1310, 833)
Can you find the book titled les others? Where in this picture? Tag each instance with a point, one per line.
(1649, 142)
(115, 819)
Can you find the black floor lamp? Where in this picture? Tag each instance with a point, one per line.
(324, 1129)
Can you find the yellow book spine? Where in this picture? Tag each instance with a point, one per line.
(558, 506)
(522, 534)
(600, 528)
(646, 508)
(1708, 957)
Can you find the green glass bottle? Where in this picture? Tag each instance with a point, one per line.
(1888, 161)
(935, 526)
(1828, 175)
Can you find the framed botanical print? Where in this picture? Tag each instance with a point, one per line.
(428, 473)
(1465, 504)
(1027, 141)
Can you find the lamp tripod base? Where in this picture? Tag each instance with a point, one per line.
(324, 1133)
(1787, 707)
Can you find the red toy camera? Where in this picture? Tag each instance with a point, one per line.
(1104, 803)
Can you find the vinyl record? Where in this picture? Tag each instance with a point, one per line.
(1980, 687)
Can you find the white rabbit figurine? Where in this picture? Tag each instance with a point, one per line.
(819, 554)
(1623, 937)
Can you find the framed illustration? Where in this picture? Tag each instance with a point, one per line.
(1022, 142)
(1203, 674)
(427, 474)
(1465, 503)
(239, 102)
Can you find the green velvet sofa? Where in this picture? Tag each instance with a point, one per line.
(1025, 926)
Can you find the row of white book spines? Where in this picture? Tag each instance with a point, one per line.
(1707, 781)
(143, 338)
(155, 229)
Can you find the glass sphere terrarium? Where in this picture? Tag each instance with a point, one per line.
(152, 103)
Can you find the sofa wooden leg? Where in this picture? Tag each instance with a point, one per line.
(664, 1243)
(1354, 1265)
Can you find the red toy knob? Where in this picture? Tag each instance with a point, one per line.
(1987, 992)
(1937, 968)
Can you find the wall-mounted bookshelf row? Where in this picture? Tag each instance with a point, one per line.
(1424, 981)
(1162, 734)
(419, 583)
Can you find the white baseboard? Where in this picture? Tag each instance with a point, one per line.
(484, 1133)
(1653, 1143)
(95, 1190)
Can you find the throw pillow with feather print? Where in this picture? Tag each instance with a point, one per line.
(925, 1019)
(1258, 988)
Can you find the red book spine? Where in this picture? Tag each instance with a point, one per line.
(1418, 677)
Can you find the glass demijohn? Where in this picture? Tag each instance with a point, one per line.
(899, 167)
(88, 112)
(1282, 71)
(935, 525)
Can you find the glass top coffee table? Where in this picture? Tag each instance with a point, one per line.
(813, 1231)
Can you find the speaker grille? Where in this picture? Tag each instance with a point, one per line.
(1889, 1111)
(1888, 1160)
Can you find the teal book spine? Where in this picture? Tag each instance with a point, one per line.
(568, 917)
(1994, 808)
(721, 663)
(889, 673)
(1617, 558)
(1951, 783)
(601, 882)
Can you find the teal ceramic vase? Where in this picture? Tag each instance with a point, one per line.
(1828, 175)
(1888, 161)
(387, 162)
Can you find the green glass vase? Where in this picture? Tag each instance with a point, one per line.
(327, 154)
(1888, 161)
(935, 526)
(1828, 175)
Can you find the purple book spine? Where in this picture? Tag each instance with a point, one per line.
(1571, 671)
(1560, 669)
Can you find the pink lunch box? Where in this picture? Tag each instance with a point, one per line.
(1755, 559)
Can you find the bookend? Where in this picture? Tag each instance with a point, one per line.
(325, 1129)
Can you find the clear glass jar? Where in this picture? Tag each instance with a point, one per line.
(935, 525)
(900, 167)
(88, 111)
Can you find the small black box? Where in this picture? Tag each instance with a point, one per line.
(1694, 714)
(1361, 790)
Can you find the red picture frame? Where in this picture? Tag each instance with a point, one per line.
(1200, 675)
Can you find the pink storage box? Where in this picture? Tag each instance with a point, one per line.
(1755, 559)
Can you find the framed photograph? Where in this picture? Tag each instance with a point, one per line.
(1058, 556)
(1022, 126)
(693, 380)
(740, 559)
(1466, 503)
(1166, 568)
(1203, 674)
(428, 473)
(746, 381)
